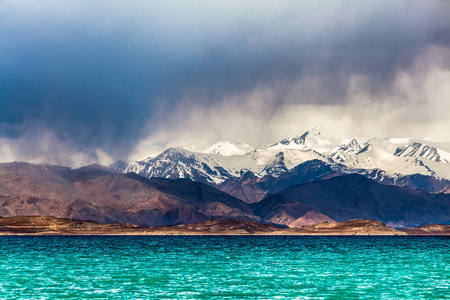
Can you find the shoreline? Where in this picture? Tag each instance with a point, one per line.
(223, 234)
(52, 226)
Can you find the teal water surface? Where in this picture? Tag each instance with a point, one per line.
(143, 267)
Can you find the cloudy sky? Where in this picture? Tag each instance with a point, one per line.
(121, 79)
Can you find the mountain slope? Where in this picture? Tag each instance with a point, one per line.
(350, 197)
(251, 188)
(100, 194)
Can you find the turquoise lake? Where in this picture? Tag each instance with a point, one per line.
(143, 267)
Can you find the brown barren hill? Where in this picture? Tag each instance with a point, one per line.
(310, 218)
(37, 225)
(355, 227)
(98, 193)
(44, 225)
(431, 229)
(230, 225)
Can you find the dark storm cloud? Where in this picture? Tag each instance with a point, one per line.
(94, 73)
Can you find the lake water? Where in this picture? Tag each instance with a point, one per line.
(124, 267)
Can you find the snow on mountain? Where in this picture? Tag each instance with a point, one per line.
(389, 144)
(212, 168)
(276, 167)
(417, 149)
(185, 144)
(225, 160)
(291, 157)
(180, 163)
(407, 147)
(371, 157)
(338, 154)
(228, 149)
(401, 156)
(318, 139)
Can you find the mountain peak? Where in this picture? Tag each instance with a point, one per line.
(225, 148)
(319, 139)
(352, 146)
(316, 134)
(318, 130)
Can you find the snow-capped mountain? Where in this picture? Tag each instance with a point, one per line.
(319, 139)
(212, 168)
(178, 163)
(388, 157)
(398, 156)
(225, 148)
(407, 147)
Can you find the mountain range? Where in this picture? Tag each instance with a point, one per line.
(101, 194)
(317, 154)
(299, 181)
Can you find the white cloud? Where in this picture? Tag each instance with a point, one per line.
(417, 104)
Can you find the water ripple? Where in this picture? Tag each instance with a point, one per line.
(119, 267)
